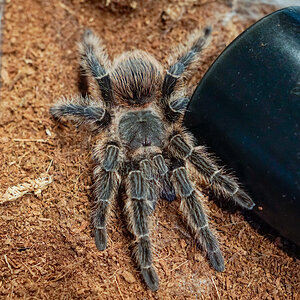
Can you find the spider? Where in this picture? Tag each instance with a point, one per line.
(138, 108)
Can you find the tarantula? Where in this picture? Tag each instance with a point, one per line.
(138, 107)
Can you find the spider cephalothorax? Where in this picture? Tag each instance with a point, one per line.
(138, 108)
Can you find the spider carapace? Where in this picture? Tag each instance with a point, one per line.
(137, 105)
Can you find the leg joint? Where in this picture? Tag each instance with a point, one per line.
(214, 174)
(173, 75)
(141, 236)
(235, 191)
(181, 147)
(100, 227)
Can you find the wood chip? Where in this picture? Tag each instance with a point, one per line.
(128, 277)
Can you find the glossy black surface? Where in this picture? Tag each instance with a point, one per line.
(247, 110)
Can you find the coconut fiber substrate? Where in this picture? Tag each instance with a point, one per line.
(47, 248)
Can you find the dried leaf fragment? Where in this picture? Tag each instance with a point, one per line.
(35, 185)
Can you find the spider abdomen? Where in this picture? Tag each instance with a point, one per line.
(141, 129)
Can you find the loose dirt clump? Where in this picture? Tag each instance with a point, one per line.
(47, 249)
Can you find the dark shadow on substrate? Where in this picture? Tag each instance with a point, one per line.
(259, 226)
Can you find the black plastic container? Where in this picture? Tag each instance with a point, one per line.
(246, 109)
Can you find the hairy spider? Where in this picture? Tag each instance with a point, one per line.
(144, 146)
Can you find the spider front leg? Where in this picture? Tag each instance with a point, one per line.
(107, 181)
(82, 111)
(94, 61)
(175, 107)
(139, 208)
(191, 207)
(181, 61)
(180, 66)
(220, 183)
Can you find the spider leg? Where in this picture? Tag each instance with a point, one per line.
(185, 57)
(95, 62)
(83, 111)
(139, 208)
(167, 191)
(220, 183)
(175, 107)
(191, 207)
(107, 181)
(148, 175)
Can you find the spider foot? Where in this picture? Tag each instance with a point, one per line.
(150, 278)
(100, 239)
(216, 260)
(241, 198)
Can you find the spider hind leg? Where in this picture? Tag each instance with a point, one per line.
(196, 218)
(107, 181)
(219, 182)
(139, 208)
